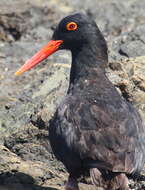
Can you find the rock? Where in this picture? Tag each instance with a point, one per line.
(18, 174)
(130, 80)
(133, 48)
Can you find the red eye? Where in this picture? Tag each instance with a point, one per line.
(71, 26)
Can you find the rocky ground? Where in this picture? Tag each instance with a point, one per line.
(28, 102)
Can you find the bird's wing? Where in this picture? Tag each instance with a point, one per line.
(106, 136)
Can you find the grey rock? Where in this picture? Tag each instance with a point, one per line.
(133, 49)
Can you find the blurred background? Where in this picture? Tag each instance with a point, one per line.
(27, 102)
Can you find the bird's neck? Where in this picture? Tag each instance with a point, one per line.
(87, 62)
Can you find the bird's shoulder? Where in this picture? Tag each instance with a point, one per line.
(93, 112)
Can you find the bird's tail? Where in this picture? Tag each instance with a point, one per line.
(118, 181)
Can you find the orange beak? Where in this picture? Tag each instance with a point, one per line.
(47, 50)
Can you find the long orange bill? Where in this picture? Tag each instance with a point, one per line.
(47, 50)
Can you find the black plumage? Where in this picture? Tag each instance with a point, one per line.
(94, 129)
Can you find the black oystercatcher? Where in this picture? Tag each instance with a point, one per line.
(94, 129)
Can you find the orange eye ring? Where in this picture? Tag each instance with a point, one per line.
(71, 26)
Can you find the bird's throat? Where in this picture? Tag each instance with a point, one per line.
(86, 65)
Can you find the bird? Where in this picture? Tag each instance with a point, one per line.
(94, 129)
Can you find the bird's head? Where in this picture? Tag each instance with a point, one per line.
(75, 31)
(72, 33)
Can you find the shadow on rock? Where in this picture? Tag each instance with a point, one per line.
(19, 181)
